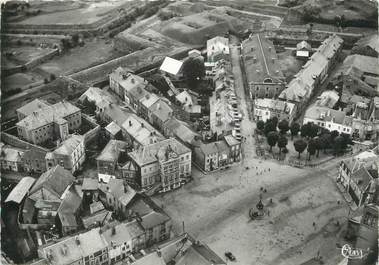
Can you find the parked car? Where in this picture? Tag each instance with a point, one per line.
(230, 256)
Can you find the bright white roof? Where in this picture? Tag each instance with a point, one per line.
(171, 66)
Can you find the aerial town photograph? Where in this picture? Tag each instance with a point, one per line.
(189, 132)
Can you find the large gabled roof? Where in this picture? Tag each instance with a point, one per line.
(56, 180)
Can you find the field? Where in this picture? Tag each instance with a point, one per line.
(23, 54)
(82, 13)
(20, 80)
(94, 52)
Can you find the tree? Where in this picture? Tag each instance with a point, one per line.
(260, 125)
(338, 145)
(282, 142)
(295, 128)
(347, 140)
(300, 146)
(311, 148)
(334, 134)
(326, 141)
(52, 77)
(269, 127)
(313, 129)
(75, 38)
(274, 121)
(272, 139)
(193, 71)
(283, 126)
(319, 145)
(305, 130)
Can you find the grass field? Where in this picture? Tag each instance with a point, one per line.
(84, 13)
(94, 52)
(24, 54)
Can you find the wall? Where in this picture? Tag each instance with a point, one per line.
(91, 134)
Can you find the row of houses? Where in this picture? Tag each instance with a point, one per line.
(118, 244)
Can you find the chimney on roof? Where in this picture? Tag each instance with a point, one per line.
(269, 48)
(77, 240)
(252, 48)
(159, 254)
(272, 59)
(328, 113)
(142, 125)
(130, 123)
(113, 230)
(254, 59)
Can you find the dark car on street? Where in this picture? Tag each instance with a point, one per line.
(230, 256)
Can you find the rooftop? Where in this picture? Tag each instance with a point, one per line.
(141, 131)
(97, 95)
(22, 188)
(327, 114)
(112, 150)
(56, 180)
(181, 130)
(371, 41)
(90, 184)
(148, 154)
(149, 99)
(32, 106)
(161, 109)
(68, 146)
(54, 113)
(113, 128)
(153, 219)
(120, 190)
(278, 105)
(11, 154)
(171, 66)
(217, 45)
(122, 232)
(261, 61)
(363, 64)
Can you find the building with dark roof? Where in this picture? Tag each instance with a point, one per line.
(160, 113)
(263, 72)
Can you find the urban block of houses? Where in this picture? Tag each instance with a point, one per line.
(264, 76)
(365, 114)
(217, 155)
(163, 164)
(313, 73)
(111, 159)
(266, 108)
(217, 49)
(358, 176)
(86, 248)
(54, 200)
(330, 119)
(69, 155)
(181, 250)
(360, 67)
(50, 123)
(137, 132)
(11, 158)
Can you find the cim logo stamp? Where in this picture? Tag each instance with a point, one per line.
(353, 253)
